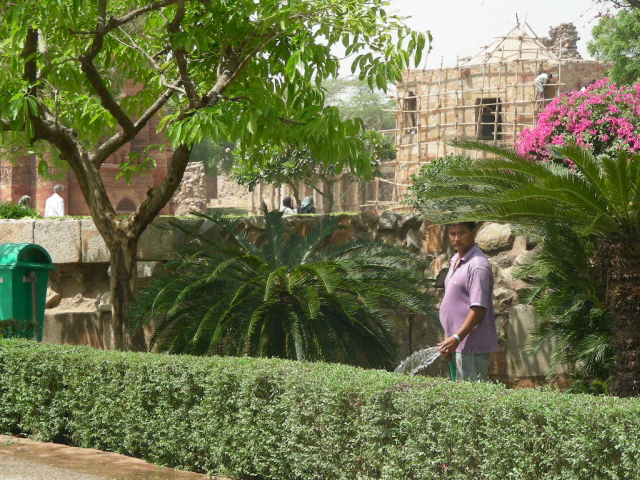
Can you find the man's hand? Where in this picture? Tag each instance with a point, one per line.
(448, 346)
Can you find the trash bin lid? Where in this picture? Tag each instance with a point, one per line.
(24, 255)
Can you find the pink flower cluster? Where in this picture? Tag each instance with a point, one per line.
(604, 118)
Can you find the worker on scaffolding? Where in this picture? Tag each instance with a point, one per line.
(539, 83)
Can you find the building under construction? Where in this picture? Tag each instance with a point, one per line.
(490, 96)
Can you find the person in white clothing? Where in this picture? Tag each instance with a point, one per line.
(54, 206)
(287, 206)
(539, 83)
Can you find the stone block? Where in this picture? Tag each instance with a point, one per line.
(94, 249)
(257, 222)
(409, 222)
(53, 299)
(434, 238)
(505, 299)
(414, 239)
(388, 220)
(519, 245)
(146, 268)
(494, 237)
(17, 231)
(519, 363)
(191, 224)
(61, 238)
(75, 328)
(441, 277)
(104, 302)
(157, 242)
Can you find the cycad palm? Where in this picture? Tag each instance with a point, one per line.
(601, 197)
(297, 297)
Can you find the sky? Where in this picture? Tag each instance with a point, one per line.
(463, 27)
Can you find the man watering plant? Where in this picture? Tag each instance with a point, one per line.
(466, 311)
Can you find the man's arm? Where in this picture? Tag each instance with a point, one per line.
(474, 316)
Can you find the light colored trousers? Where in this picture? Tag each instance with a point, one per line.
(472, 367)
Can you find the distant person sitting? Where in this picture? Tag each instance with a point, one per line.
(306, 206)
(539, 83)
(287, 206)
(54, 206)
(24, 202)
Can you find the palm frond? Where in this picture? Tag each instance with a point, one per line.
(504, 152)
(306, 298)
(585, 163)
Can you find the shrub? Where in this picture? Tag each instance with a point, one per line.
(432, 178)
(11, 328)
(603, 118)
(293, 296)
(10, 210)
(568, 295)
(276, 419)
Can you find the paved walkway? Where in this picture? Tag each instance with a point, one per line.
(22, 459)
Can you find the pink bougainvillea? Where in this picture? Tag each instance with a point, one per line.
(604, 117)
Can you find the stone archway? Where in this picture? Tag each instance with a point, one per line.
(125, 206)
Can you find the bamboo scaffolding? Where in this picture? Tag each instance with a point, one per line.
(493, 99)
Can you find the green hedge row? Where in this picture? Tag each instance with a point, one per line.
(272, 419)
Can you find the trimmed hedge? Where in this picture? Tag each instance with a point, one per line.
(275, 419)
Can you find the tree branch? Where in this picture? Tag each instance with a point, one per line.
(326, 195)
(106, 99)
(180, 55)
(157, 197)
(45, 71)
(632, 3)
(114, 22)
(229, 68)
(120, 138)
(30, 73)
(151, 59)
(93, 75)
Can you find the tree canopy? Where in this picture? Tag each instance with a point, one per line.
(212, 63)
(355, 99)
(288, 166)
(247, 71)
(615, 39)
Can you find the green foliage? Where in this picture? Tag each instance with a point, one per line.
(425, 185)
(274, 419)
(355, 99)
(11, 328)
(615, 39)
(569, 299)
(290, 165)
(293, 296)
(601, 197)
(249, 72)
(283, 166)
(11, 210)
(216, 157)
(277, 54)
(599, 202)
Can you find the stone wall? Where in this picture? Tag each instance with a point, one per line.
(192, 193)
(78, 302)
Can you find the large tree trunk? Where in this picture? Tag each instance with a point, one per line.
(621, 260)
(123, 283)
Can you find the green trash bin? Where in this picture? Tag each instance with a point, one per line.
(24, 272)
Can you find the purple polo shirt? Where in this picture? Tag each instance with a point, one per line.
(468, 285)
